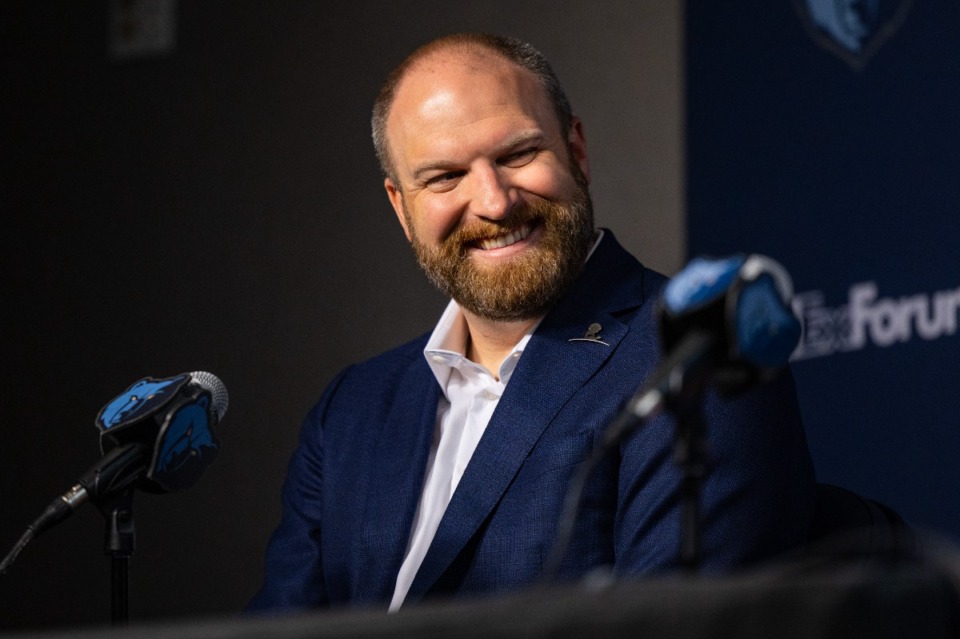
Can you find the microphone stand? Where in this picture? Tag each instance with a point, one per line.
(690, 455)
(119, 544)
(677, 386)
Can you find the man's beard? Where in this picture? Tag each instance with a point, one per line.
(525, 286)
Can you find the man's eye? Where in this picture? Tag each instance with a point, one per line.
(518, 158)
(444, 180)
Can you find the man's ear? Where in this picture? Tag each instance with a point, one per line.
(577, 143)
(395, 195)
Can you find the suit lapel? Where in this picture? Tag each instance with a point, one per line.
(397, 480)
(551, 370)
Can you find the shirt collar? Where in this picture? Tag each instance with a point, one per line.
(447, 347)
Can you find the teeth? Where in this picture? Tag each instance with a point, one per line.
(506, 239)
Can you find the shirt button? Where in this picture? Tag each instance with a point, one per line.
(489, 395)
(439, 359)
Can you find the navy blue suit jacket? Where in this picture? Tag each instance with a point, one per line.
(355, 480)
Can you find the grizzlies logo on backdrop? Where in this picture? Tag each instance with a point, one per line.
(853, 30)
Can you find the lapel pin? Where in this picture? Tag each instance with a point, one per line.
(592, 335)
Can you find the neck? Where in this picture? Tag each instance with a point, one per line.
(491, 341)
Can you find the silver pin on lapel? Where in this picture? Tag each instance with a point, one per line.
(592, 335)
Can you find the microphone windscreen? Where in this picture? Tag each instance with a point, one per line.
(218, 391)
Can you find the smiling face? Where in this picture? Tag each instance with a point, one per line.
(490, 192)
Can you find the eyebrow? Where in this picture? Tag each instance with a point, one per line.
(518, 139)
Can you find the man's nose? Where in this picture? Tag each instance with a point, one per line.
(493, 196)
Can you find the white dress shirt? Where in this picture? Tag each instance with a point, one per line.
(470, 395)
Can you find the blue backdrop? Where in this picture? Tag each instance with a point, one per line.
(826, 133)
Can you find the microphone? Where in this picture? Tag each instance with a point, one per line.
(727, 321)
(157, 436)
(172, 420)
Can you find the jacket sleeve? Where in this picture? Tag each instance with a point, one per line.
(293, 577)
(756, 498)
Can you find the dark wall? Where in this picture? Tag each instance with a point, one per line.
(219, 208)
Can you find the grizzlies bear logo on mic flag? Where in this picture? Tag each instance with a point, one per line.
(177, 414)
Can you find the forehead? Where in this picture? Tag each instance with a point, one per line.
(453, 90)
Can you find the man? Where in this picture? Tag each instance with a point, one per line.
(440, 468)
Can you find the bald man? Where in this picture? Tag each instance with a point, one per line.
(438, 469)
